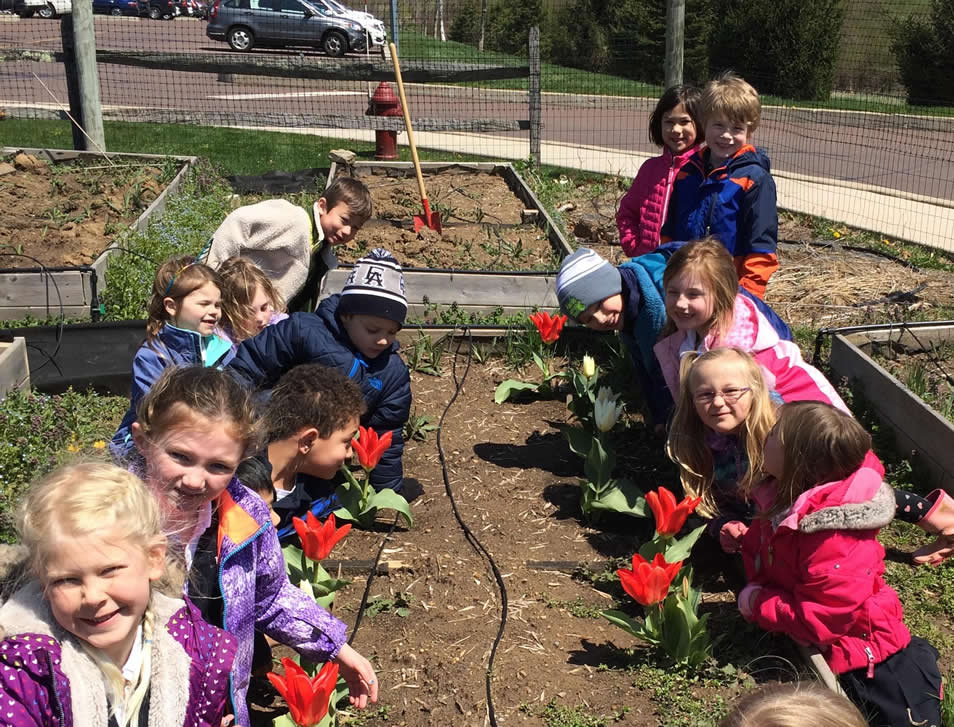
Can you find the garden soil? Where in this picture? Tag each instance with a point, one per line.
(66, 214)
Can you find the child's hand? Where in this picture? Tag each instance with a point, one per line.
(359, 674)
(747, 600)
(731, 534)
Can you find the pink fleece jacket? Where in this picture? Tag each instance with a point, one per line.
(820, 567)
(642, 211)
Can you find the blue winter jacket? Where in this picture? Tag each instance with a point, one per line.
(171, 347)
(734, 202)
(320, 338)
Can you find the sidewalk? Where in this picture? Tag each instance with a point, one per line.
(894, 214)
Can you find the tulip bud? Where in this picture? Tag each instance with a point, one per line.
(589, 366)
(605, 410)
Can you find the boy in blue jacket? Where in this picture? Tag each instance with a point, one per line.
(726, 188)
(353, 332)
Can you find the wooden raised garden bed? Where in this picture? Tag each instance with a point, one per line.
(65, 212)
(917, 427)
(14, 369)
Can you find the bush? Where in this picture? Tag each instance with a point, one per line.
(783, 47)
(509, 23)
(38, 432)
(628, 38)
(466, 25)
(925, 54)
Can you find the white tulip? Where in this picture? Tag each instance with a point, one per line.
(589, 366)
(605, 410)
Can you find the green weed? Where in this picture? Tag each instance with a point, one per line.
(577, 608)
(417, 427)
(424, 356)
(398, 604)
(555, 714)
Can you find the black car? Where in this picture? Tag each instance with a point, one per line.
(156, 9)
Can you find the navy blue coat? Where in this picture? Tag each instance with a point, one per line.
(320, 338)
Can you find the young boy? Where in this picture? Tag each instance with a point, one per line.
(630, 299)
(353, 332)
(294, 245)
(726, 189)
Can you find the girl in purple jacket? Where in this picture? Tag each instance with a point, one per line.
(89, 642)
(192, 430)
(674, 126)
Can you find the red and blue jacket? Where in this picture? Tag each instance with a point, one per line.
(734, 202)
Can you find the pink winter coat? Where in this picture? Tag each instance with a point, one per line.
(820, 569)
(781, 361)
(643, 210)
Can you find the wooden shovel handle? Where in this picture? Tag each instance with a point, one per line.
(407, 120)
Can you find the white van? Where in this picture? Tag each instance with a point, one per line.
(45, 8)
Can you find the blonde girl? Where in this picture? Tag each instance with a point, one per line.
(90, 642)
(249, 300)
(183, 312)
(193, 429)
(815, 566)
(794, 705)
(705, 310)
(674, 126)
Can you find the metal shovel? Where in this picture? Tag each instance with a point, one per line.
(430, 219)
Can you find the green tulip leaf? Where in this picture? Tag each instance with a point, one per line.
(388, 499)
(618, 618)
(628, 501)
(679, 549)
(509, 386)
(579, 439)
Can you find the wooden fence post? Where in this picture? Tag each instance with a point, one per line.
(535, 101)
(675, 32)
(82, 77)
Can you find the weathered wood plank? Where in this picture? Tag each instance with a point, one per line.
(338, 69)
(916, 426)
(14, 369)
(39, 290)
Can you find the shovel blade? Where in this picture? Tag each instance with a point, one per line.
(433, 223)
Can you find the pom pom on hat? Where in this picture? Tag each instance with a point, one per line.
(375, 288)
(585, 278)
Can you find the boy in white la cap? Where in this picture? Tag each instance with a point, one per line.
(355, 332)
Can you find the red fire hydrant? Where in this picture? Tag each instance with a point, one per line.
(384, 103)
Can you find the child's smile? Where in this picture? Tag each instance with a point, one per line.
(689, 303)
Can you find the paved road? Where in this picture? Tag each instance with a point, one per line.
(901, 153)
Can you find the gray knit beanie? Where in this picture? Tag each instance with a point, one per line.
(375, 288)
(584, 279)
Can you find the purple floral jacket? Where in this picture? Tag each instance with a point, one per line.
(48, 680)
(258, 595)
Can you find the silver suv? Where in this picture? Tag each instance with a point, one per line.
(244, 24)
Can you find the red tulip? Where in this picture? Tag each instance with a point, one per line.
(670, 517)
(369, 447)
(648, 582)
(318, 539)
(549, 326)
(308, 699)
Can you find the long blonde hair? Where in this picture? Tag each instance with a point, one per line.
(240, 280)
(711, 262)
(794, 705)
(686, 445)
(89, 499)
(820, 443)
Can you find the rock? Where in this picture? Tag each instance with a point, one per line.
(28, 162)
(12, 568)
(589, 227)
(342, 156)
(6, 169)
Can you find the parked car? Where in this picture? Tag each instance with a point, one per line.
(43, 8)
(116, 7)
(244, 24)
(193, 8)
(372, 26)
(156, 9)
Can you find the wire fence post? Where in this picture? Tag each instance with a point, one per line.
(675, 32)
(535, 102)
(394, 25)
(82, 77)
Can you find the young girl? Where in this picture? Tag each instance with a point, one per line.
(249, 300)
(90, 642)
(185, 307)
(673, 126)
(192, 430)
(793, 705)
(815, 565)
(705, 310)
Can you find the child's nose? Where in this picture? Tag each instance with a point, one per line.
(93, 592)
(192, 480)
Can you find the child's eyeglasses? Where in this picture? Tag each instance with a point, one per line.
(730, 396)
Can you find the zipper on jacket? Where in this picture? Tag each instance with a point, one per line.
(54, 696)
(871, 662)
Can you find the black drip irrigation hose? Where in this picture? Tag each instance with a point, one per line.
(468, 534)
(367, 585)
(48, 278)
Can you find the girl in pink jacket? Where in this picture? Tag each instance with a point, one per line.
(675, 127)
(815, 566)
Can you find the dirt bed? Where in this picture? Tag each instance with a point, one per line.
(67, 213)
(481, 220)
(515, 484)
